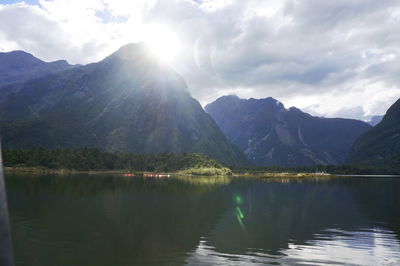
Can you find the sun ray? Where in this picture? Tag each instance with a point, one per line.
(162, 41)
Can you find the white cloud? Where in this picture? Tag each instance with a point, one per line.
(334, 58)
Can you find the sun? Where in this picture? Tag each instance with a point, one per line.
(162, 42)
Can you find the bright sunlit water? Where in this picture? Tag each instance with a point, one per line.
(105, 220)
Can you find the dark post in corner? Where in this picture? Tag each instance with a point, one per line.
(6, 254)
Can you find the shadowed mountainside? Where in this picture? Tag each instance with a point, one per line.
(271, 135)
(128, 102)
(19, 66)
(381, 144)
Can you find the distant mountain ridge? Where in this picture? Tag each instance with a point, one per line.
(128, 102)
(381, 144)
(19, 66)
(376, 119)
(271, 135)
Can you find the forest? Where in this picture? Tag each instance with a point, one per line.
(88, 159)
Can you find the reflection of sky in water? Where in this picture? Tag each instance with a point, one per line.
(367, 247)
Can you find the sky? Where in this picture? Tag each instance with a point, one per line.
(330, 58)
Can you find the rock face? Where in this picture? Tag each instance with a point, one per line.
(271, 135)
(381, 144)
(128, 102)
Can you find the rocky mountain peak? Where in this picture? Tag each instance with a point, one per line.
(271, 135)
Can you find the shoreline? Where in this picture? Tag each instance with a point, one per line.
(42, 170)
(39, 171)
(285, 174)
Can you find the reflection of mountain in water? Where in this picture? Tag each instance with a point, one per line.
(126, 221)
(379, 200)
(277, 215)
(109, 221)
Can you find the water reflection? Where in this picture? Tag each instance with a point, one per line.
(370, 247)
(364, 247)
(84, 220)
(108, 220)
(204, 181)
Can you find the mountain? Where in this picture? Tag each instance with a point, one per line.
(376, 119)
(19, 66)
(381, 144)
(271, 135)
(128, 102)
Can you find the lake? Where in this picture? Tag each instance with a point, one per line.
(115, 220)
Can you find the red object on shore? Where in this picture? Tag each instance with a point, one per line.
(129, 175)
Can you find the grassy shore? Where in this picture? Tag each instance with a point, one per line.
(209, 171)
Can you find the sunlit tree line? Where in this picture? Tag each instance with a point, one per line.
(94, 159)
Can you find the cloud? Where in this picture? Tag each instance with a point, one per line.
(79, 31)
(333, 58)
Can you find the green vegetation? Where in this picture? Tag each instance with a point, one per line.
(209, 171)
(86, 159)
(94, 160)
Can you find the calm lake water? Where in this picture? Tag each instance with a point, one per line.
(105, 220)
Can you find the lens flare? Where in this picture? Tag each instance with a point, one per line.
(238, 200)
(162, 41)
